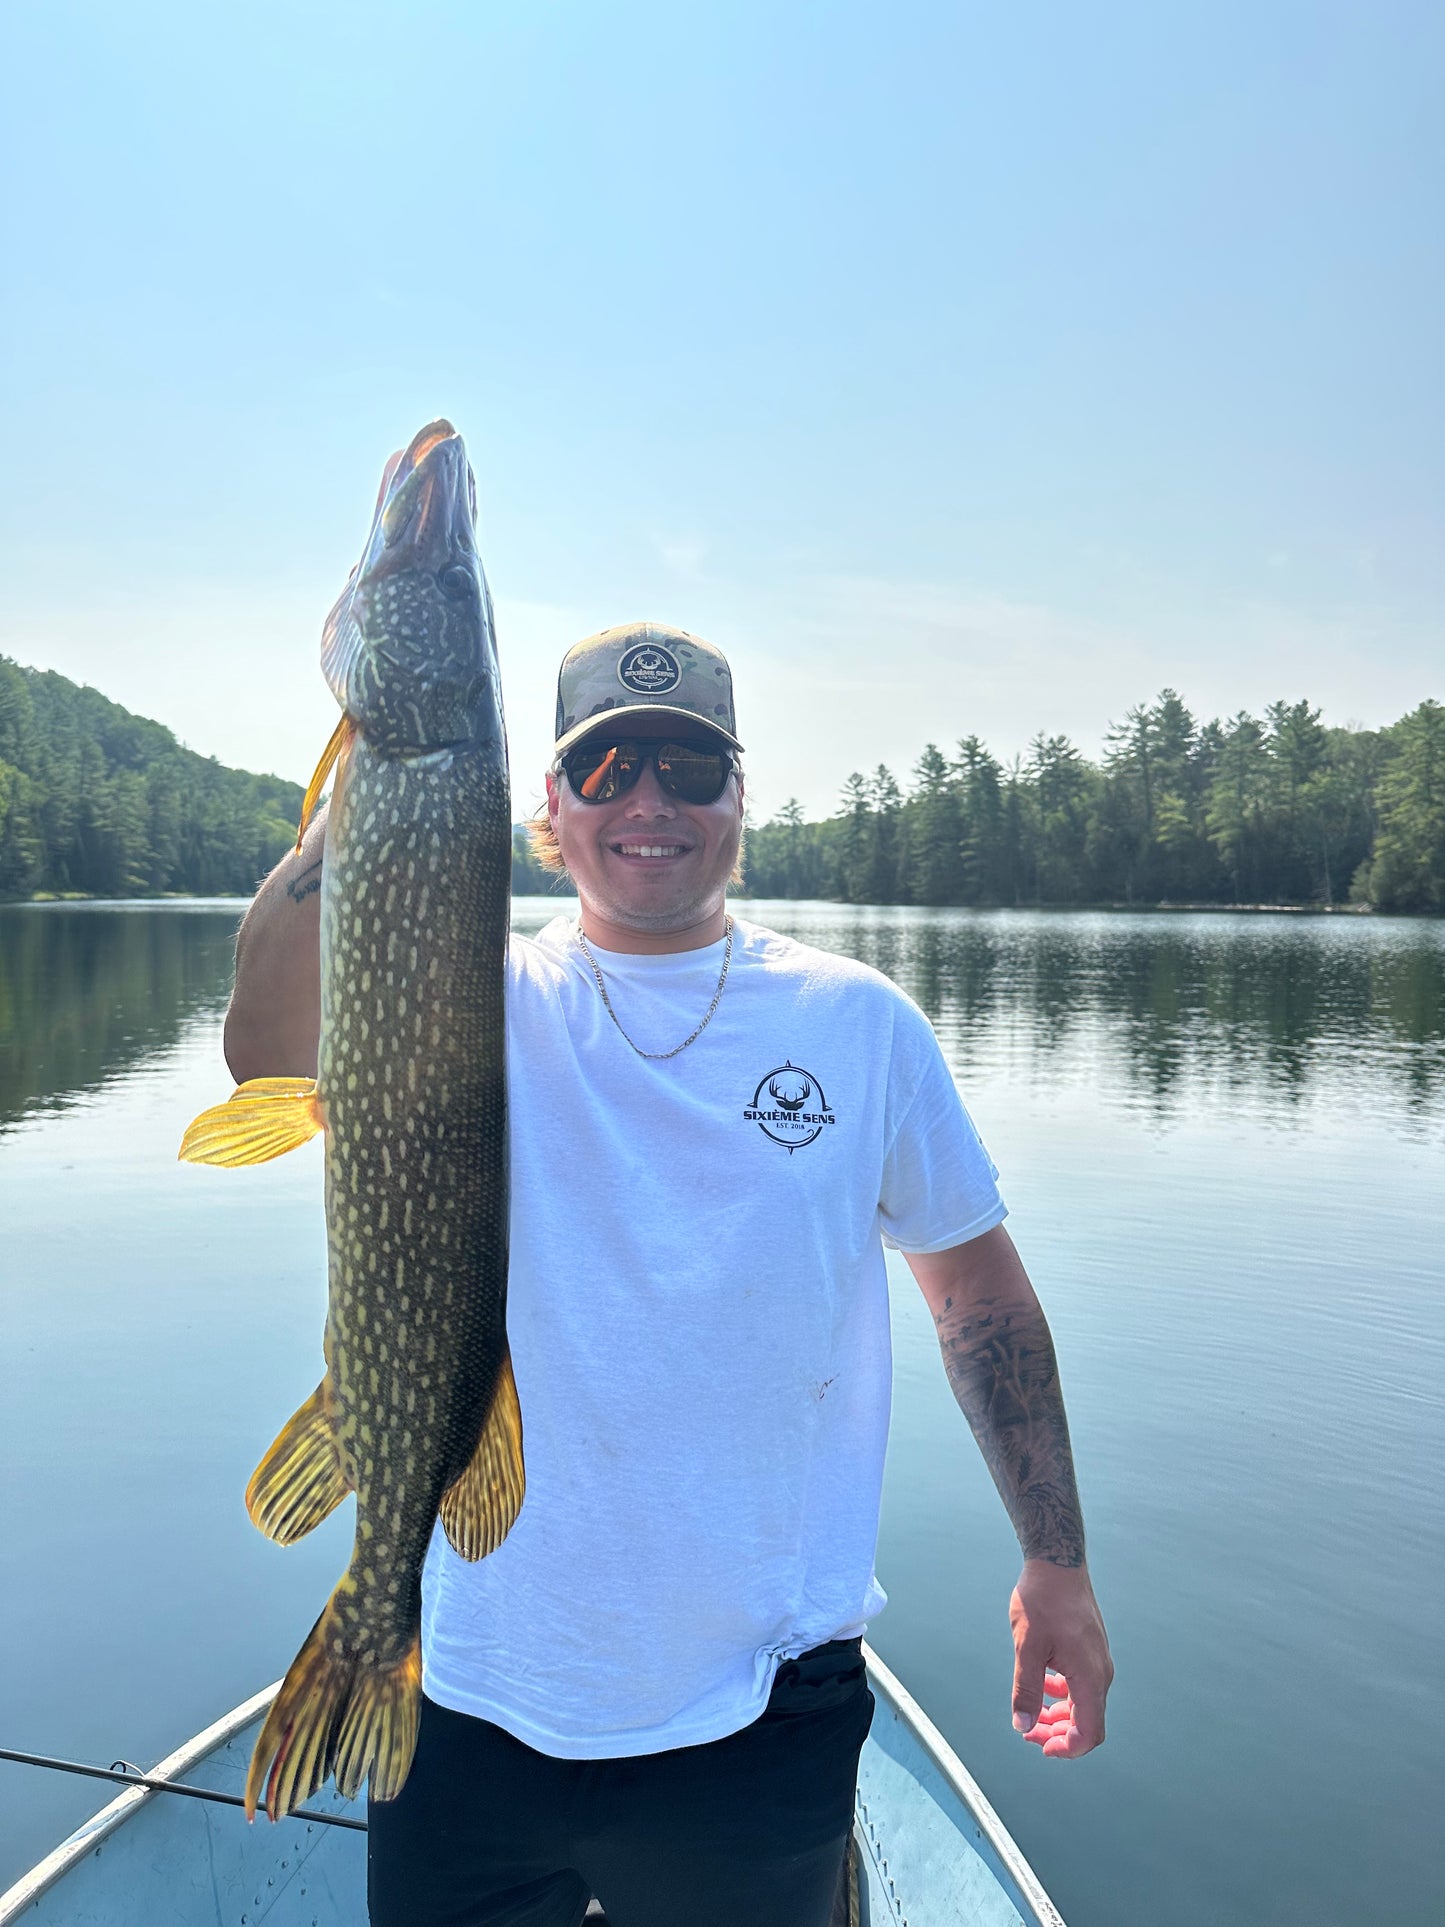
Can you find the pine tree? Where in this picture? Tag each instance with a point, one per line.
(1408, 868)
(856, 847)
(885, 880)
(932, 860)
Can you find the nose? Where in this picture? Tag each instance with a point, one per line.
(647, 797)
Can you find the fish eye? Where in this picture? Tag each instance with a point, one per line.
(456, 582)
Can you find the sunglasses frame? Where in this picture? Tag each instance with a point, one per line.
(648, 749)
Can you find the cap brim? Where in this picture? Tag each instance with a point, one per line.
(615, 722)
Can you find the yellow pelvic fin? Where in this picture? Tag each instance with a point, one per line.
(334, 1713)
(481, 1507)
(340, 740)
(264, 1118)
(300, 1480)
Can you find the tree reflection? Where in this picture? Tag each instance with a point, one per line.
(1267, 1006)
(1258, 1010)
(88, 992)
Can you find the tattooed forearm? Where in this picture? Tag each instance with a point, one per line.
(307, 884)
(1001, 1365)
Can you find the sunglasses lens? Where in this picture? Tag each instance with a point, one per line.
(691, 773)
(600, 772)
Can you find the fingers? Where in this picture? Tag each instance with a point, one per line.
(1055, 1719)
(1087, 1730)
(1030, 1671)
(1069, 1727)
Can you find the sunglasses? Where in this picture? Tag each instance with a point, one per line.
(600, 771)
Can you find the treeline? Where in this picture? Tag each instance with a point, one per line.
(1274, 810)
(97, 801)
(100, 802)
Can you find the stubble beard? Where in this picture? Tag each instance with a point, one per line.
(681, 914)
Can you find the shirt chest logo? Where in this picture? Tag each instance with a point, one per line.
(789, 1107)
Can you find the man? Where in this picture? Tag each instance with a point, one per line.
(652, 1691)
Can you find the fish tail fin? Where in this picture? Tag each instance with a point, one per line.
(301, 1480)
(378, 1731)
(264, 1118)
(479, 1509)
(336, 1712)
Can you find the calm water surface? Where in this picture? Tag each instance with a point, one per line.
(1223, 1144)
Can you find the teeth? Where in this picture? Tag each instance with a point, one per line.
(650, 849)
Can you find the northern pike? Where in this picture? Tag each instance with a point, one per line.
(417, 1412)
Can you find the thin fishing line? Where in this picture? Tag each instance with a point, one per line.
(132, 1776)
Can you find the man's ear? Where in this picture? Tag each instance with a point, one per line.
(554, 798)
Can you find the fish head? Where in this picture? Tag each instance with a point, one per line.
(410, 647)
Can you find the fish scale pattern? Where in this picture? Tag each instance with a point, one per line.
(412, 1077)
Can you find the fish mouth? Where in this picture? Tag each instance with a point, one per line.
(422, 548)
(429, 504)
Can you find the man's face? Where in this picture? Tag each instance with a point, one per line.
(647, 861)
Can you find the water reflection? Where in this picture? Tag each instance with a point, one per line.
(1275, 1010)
(89, 990)
(1268, 1012)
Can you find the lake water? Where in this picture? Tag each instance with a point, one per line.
(1223, 1144)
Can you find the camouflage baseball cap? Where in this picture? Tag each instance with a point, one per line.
(649, 670)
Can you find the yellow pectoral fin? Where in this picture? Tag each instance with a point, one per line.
(340, 741)
(264, 1119)
(479, 1510)
(301, 1479)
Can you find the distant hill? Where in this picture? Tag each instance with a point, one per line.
(97, 802)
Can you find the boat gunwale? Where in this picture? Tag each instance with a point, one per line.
(1039, 1910)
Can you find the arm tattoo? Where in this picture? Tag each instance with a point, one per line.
(1001, 1365)
(307, 884)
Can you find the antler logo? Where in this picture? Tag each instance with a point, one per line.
(789, 1107)
(649, 670)
(791, 1093)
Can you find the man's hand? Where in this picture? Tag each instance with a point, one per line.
(1062, 1650)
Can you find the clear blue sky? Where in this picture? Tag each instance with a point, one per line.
(953, 367)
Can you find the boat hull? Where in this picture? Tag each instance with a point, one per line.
(931, 1850)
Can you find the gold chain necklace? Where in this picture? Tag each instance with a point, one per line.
(658, 1055)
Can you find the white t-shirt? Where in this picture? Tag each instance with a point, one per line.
(698, 1314)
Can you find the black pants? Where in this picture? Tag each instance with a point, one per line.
(488, 1833)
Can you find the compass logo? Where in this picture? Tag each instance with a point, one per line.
(649, 670)
(789, 1107)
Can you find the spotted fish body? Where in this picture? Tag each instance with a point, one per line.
(417, 1412)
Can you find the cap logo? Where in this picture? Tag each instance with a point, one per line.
(649, 670)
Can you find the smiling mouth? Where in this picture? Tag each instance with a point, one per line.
(649, 849)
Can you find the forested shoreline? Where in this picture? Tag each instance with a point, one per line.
(1279, 810)
(95, 801)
